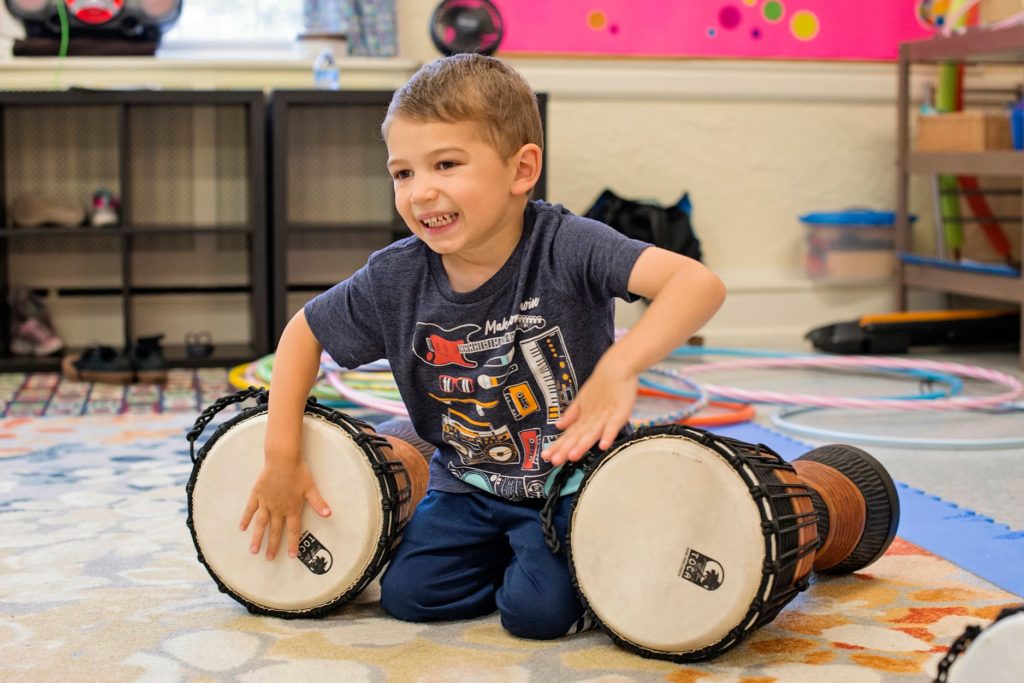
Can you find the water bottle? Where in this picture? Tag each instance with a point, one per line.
(325, 72)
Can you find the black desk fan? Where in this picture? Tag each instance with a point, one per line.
(466, 26)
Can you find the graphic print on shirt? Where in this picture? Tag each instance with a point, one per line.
(508, 487)
(493, 381)
(520, 400)
(480, 406)
(478, 442)
(552, 368)
(439, 346)
(530, 440)
(450, 384)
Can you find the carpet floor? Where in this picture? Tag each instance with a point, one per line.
(99, 581)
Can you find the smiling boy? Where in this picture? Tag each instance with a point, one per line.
(496, 316)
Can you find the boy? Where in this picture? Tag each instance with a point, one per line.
(497, 319)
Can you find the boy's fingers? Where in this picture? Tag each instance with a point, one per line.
(569, 417)
(259, 526)
(294, 533)
(247, 513)
(274, 538)
(317, 502)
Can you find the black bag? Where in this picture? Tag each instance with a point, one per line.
(666, 227)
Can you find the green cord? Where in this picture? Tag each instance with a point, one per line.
(62, 52)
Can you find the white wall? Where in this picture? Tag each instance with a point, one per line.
(754, 143)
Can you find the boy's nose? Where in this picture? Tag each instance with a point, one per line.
(423, 191)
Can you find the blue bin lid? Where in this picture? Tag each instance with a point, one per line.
(852, 217)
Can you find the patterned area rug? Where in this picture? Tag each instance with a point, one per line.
(99, 581)
(47, 394)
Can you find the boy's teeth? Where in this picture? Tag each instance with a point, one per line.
(438, 221)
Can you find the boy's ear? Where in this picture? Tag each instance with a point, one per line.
(528, 162)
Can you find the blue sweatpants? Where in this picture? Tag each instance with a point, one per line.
(464, 555)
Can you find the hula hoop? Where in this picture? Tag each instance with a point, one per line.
(696, 406)
(954, 403)
(781, 421)
(736, 412)
(383, 405)
(240, 377)
(954, 384)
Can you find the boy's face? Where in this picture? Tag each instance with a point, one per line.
(453, 189)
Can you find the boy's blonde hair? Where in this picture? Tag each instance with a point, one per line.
(472, 87)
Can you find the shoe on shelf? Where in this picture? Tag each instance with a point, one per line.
(35, 337)
(148, 361)
(198, 344)
(26, 304)
(105, 210)
(31, 210)
(98, 364)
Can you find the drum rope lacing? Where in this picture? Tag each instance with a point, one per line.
(220, 404)
(964, 640)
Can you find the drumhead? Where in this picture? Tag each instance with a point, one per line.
(666, 544)
(334, 552)
(995, 656)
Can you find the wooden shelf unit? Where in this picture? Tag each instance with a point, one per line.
(1005, 46)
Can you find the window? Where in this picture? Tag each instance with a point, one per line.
(217, 21)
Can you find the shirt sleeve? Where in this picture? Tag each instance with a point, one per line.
(596, 259)
(346, 322)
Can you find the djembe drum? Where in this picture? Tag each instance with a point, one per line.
(991, 654)
(380, 479)
(682, 543)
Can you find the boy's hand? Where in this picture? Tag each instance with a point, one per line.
(276, 503)
(600, 410)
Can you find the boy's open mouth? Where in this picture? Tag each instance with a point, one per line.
(439, 221)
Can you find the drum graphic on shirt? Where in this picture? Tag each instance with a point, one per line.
(552, 369)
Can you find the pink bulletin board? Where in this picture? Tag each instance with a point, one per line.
(781, 29)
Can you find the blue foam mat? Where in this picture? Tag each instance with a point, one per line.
(971, 541)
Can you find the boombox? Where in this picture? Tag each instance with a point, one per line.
(145, 19)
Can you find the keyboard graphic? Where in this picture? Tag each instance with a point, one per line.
(552, 369)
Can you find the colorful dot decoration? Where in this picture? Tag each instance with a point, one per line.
(773, 11)
(597, 20)
(729, 17)
(804, 25)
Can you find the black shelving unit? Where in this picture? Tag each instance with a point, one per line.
(189, 168)
(331, 196)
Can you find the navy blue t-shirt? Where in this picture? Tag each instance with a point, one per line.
(485, 374)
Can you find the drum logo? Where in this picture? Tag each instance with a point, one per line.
(702, 570)
(314, 555)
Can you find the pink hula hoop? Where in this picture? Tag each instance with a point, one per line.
(1013, 385)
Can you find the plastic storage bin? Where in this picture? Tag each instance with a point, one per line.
(850, 245)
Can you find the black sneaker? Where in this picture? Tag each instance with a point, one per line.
(147, 359)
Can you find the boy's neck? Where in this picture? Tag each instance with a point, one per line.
(467, 271)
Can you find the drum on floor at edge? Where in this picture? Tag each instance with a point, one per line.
(373, 484)
(683, 543)
(992, 654)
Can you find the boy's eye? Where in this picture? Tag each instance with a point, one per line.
(445, 165)
(400, 175)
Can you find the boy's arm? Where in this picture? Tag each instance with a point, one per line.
(684, 295)
(285, 483)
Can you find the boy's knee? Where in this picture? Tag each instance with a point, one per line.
(398, 600)
(544, 621)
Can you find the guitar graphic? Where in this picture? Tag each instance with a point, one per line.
(438, 346)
